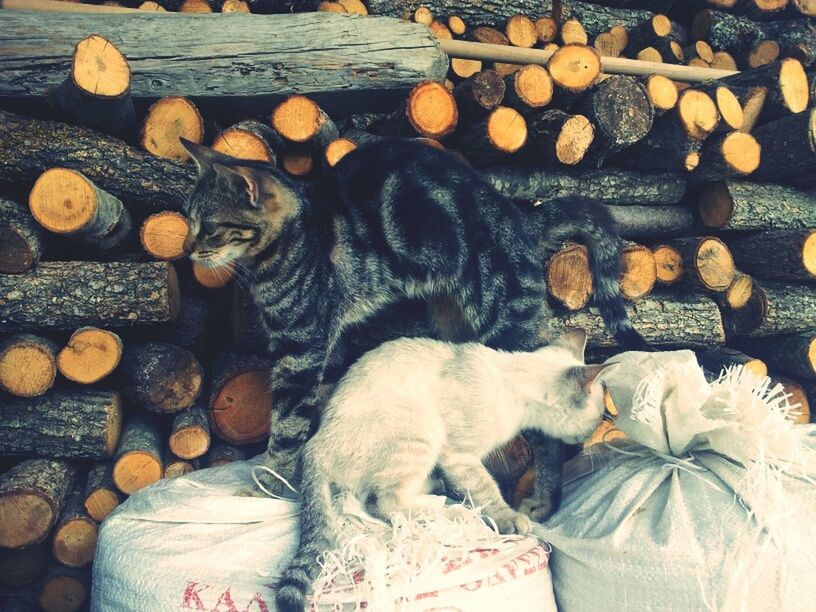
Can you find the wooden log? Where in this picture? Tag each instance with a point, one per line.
(195, 6)
(19, 567)
(214, 278)
(90, 355)
(168, 120)
(718, 359)
(192, 330)
(374, 73)
(638, 271)
(793, 354)
(708, 262)
(734, 155)
(96, 93)
(742, 206)
(738, 293)
(101, 495)
(777, 254)
(64, 589)
(668, 264)
(162, 235)
(67, 295)
(190, 434)
(138, 461)
(248, 333)
(728, 104)
(752, 101)
(176, 466)
(250, 140)
(569, 278)
(521, 31)
(463, 68)
(638, 222)
(458, 27)
(508, 463)
(28, 147)
(622, 114)
(152, 6)
(161, 377)
(687, 321)
(528, 89)
(608, 186)
(762, 53)
(575, 68)
(546, 29)
(797, 397)
(775, 309)
(74, 542)
(21, 238)
(607, 45)
(572, 32)
(558, 137)
(429, 111)
(662, 93)
(479, 94)
(32, 494)
(222, 453)
(296, 161)
(489, 36)
(700, 49)
(235, 6)
(649, 32)
(501, 133)
(788, 149)
(300, 120)
(65, 202)
(723, 60)
(28, 365)
(65, 424)
(336, 150)
(240, 399)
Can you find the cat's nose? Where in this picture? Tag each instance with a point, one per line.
(190, 243)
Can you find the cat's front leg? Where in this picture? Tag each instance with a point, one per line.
(466, 473)
(548, 455)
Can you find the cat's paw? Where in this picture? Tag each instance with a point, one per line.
(513, 522)
(536, 509)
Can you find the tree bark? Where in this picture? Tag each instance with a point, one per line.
(743, 206)
(32, 494)
(734, 155)
(501, 133)
(28, 147)
(718, 359)
(161, 377)
(19, 567)
(21, 239)
(193, 327)
(65, 424)
(75, 535)
(241, 403)
(251, 140)
(708, 262)
(639, 222)
(479, 94)
(190, 436)
(101, 494)
(209, 64)
(556, 137)
(69, 294)
(28, 365)
(793, 354)
(787, 255)
(777, 309)
(788, 149)
(138, 461)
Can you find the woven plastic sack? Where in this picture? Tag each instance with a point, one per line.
(711, 505)
(191, 544)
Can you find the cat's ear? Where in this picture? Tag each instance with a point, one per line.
(202, 156)
(243, 178)
(574, 340)
(587, 374)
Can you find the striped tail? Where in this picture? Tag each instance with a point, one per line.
(554, 222)
(296, 582)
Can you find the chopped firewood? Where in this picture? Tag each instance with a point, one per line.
(241, 402)
(337, 150)
(668, 264)
(793, 354)
(222, 453)
(662, 93)
(569, 278)
(249, 140)
(607, 45)
(161, 377)
(440, 30)
(574, 67)
(101, 495)
(774, 309)
(75, 535)
(297, 162)
(707, 261)
(235, 6)
(764, 52)
(572, 32)
(64, 589)
(649, 32)
(501, 133)
(162, 235)
(28, 365)
(176, 466)
(190, 437)
(528, 88)
(734, 155)
(489, 36)
(300, 120)
(479, 94)
(195, 6)
(556, 136)
(742, 206)
(167, 121)
(521, 31)
(638, 271)
(456, 25)
(724, 61)
(354, 6)
(90, 355)
(23, 566)
(138, 461)
(212, 277)
(464, 68)
(21, 238)
(430, 111)
(546, 29)
(788, 149)
(738, 293)
(797, 396)
(423, 15)
(718, 359)
(621, 34)
(777, 254)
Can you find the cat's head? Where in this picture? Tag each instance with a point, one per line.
(574, 405)
(237, 207)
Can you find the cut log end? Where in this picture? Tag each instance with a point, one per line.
(506, 129)
(741, 152)
(135, 470)
(691, 161)
(74, 542)
(456, 25)
(190, 442)
(162, 235)
(337, 150)
(243, 144)
(607, 45)
(765, 52)
(432, 110)
(464, 68)
(739, 293)
(298, 162)
(575, 67)
(99, 68)
(26, 517)
(298, 118)
(521, 31)
(533, 86)
(669, 264)
(697, 112)
(63, 201)
(27, 366)
(714, 264)
(195, 6)
(100, 503)
(90, 355)
(729, 107)
(569, 279)
(235, 6)
(638, 271)
(574, 140)
(793, 82)
(621, 35)
(715, 205)
(64, 593)
(242, 408)
(168, 120)
(212, 278)
(572, 32)
(662, 92)
(809, 254)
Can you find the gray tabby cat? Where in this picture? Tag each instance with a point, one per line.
(435, 405)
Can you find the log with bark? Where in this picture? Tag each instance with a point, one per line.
(687, 321)
(554, 136)
(241, 402)
(301, 121)
(21, 238)
(250, 140)
(668, 263)
(336, 150)
(161, 377)
(374, 72)
(793, 354)
(742, 206)
(28, 147)
(23, 566)
(32, 495)
(737, 294)
(138, 461)
(569, 278)
(430, 110)
(192, 329)
(221, 453)
(708, 262)
(65, 202)
(64, 589)
(718, 359)
(662, 93)
(574, 68)
(176, 466)
(774, 309)
(190, 434)
(101, 495)
(736, 154)
(70, 294)
(788, 149)
(90, 355)
(162, 235)
(638, 271)
(638, 222)
(528, 89)
(777, 254)
(74, 540)
(168, 120)
(479, 94)
(28, 365)
(96, 93)
(65, 424)
(501, 133)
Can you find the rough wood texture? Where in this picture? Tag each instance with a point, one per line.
(250, 140)
(788, 149)
(336, 150)
(162, 235)
(300, 120)
(608, 186)
(638, 271)
(166, 122)
(669, 264)
(662, 93)
(569, 278)
(64, 589)
(574, 68)
(501, 133)
(190, 434)
(74, 542)
(21, 238)
(777, 254)
(32, 494)
(90, 355)
(28, 147)
(70, 294)
(192, 329)
(716, 360)
(636, 222)
(65, 202)
(240, 400)
(689, 321)
(737, 205)
(161, 377)
(66, 424)
(479, 94)
(96, 92)
(222, 453)
(554, 136)
(374, 71)
(138, 461)
(528, 89)
(736, 154)
(793, 354)
(176, 466)
(775, 309)
(101, 494)
(430, 111)
(23, 566)
(708, 262)
(28, 365)
(594, 18)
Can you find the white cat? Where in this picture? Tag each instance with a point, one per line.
(413, 405)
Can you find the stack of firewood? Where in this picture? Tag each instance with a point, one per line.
(121, 363)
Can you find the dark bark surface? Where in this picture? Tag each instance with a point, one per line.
(635, 222)
(743, 206)
(21, 238)
(161, 377)
(788, 149)
(190, 435)
(776, 254)
(781, 309)
(790, 354)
